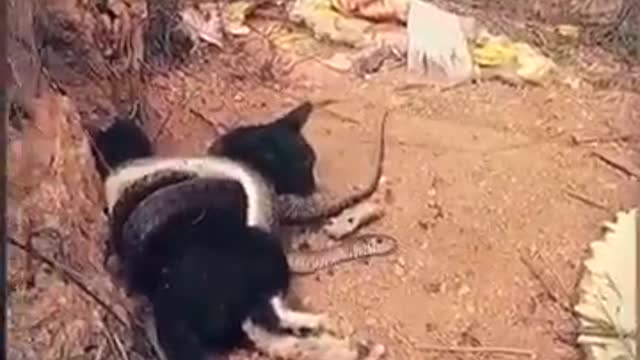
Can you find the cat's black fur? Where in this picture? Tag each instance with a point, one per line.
(277, 150)
(122, 141)
(218, 272)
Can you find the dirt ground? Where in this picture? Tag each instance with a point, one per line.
(479, 182)
(486, 187)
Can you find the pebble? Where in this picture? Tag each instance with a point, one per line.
(470, 308)
(339, 61)
(401, 262)
(464, 290)
(398, 270)
(371, 322)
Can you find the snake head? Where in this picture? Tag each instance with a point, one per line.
(377, 244)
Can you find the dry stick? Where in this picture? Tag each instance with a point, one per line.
(585, 200)
(615, 164)
(604, 139)
(117, 345)
(478, 349)
(545, 286)
(555, 275)
(120, 346)
(100, 352)
(463, 349)
(71, 275)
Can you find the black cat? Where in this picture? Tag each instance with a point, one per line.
(194, 235)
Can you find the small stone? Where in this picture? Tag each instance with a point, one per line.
(339, 61)
(371, 322)
(398, 270)
(401, 262)
(464, 290)
(443, 287)
(470, 308)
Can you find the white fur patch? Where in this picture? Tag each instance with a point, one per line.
(258, 194)
(296, 320)
(283, 346)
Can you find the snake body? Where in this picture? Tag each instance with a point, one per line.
(362, 246)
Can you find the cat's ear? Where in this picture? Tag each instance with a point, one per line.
(296, 118)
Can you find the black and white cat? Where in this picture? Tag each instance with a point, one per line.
(195, 237)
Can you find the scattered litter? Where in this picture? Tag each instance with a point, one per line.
(371, 60)
(365, 62)
(352, 219)
(327, 24)
(235, 14)
(443, 47)
(438, 46)
(491, 53)
(203, 22)
(376, 10)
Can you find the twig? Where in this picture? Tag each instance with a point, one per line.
(70, 274)
(100, 352)
(545, 286)
(585, 200)
(116, 343)
(604, 139)
(555, 275)
(478, 349)
(616, 164)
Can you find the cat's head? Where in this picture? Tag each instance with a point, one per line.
(278, 150)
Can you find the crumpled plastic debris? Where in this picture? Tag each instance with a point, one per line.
(445, 48)
(501, 53)
(438, 46)
(376, 10)
(328, 24)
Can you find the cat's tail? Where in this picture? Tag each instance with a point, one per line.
(122, 141)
